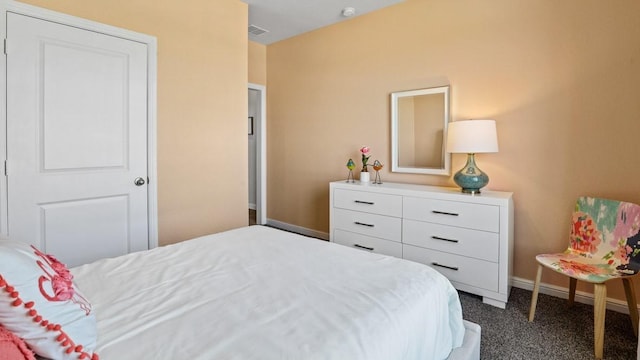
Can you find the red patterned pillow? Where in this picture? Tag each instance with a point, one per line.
(12, 347)
(40, 303)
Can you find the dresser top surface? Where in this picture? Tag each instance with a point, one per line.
(409, 188)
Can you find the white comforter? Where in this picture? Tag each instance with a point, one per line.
(261, 293)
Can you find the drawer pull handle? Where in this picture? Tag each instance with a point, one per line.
(363, 247)
(445, 266)
(444, 239)
(363, 224)
(364, 202)
(444, 213)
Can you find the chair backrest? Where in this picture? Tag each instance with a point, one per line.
(608, 232)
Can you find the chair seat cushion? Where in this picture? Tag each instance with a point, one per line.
(582, 267)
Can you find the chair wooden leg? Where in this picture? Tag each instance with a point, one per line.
(632, 303)
(534, 296)
(599, 311)
(572, 291)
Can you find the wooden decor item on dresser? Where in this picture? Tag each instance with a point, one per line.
(468, 238)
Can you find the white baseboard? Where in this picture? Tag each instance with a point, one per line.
(563, 293)
(298, 229)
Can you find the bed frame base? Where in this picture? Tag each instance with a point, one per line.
(470, 348)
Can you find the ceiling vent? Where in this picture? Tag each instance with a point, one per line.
(256, 30)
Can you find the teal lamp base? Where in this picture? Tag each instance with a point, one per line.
(470, 178)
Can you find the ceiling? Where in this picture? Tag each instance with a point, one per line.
(286, 18)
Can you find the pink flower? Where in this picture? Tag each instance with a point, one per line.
(585, 237)
(622, 253)
(365, 150)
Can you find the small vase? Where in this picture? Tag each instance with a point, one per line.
(365, 178)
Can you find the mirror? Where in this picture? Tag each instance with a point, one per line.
(419, 121)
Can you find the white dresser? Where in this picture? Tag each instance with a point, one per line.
(468, 238)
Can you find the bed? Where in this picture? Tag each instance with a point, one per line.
(262, 293)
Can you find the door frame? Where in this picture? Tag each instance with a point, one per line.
(261, 156)
(64, 19)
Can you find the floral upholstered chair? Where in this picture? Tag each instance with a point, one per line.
(603, 245)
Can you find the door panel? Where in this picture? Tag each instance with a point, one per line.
(93, 123)
(76, 140)
(102, 221)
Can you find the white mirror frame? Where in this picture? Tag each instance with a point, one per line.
(446, 157)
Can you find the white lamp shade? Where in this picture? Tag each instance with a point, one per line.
(472, 136)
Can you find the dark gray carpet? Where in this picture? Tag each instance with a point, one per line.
(557, 332)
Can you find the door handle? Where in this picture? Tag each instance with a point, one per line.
(444, 213)
(139, 181)
(444, 239)
(363, 247)
(454, 268)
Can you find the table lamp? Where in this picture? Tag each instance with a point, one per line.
(472, 137)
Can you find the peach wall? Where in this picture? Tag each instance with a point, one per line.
(202, 106)
(257, 63)
(561, 79)
(428, 134)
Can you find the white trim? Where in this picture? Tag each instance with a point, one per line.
(261, 157)
(563, 293)
(65, 19)
(152, 140)
(298, 229)
(4, 203)
(152, 51)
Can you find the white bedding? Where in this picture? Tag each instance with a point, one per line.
(262, 293)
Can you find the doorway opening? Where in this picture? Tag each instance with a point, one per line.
(257, 150)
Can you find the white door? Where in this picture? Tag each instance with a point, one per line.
(76, 140)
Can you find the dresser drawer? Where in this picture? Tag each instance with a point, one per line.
(471, 216)
(368, 243)
(374, 203)
(469, 271)
(478, 244)
(385, 227)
